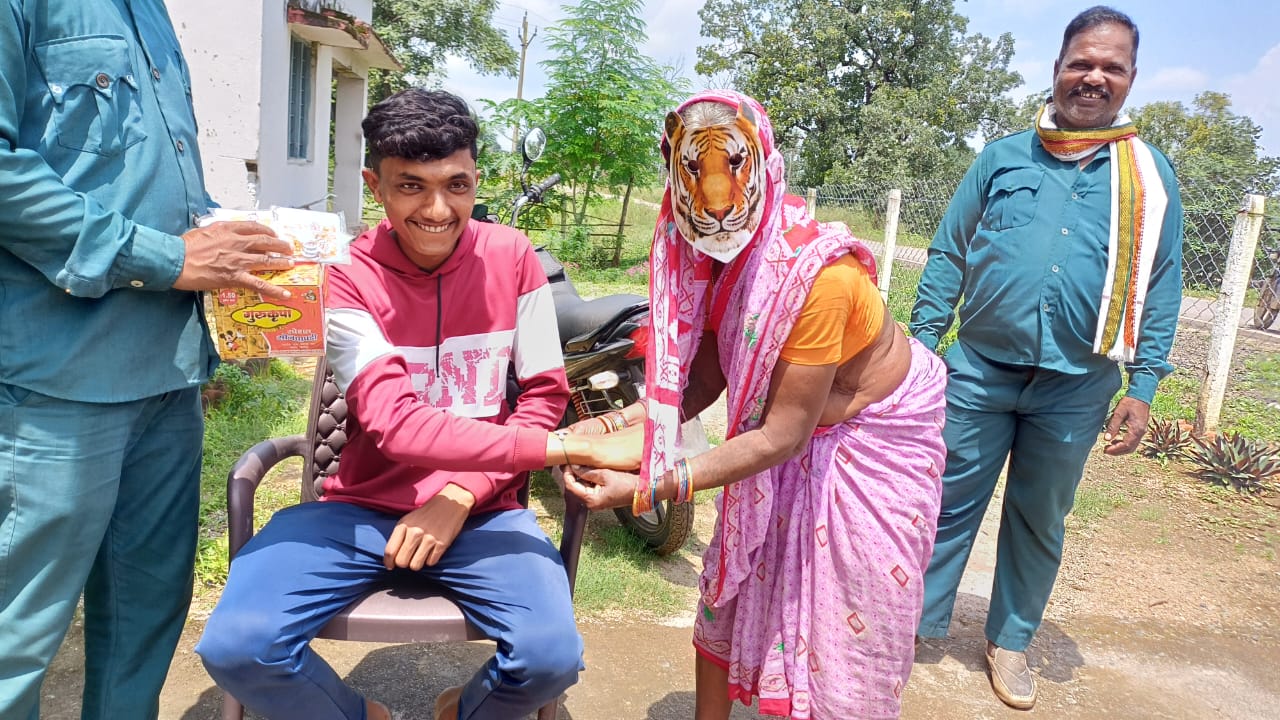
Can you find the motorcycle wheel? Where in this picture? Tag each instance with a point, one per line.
(667, 527)
(1268, 307)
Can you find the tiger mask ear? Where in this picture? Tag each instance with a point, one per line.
(748, 116)
(673, 128)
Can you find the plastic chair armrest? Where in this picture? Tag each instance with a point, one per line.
(575, 523)
(243, 481)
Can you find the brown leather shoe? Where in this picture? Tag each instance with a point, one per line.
(1011, 679)
(447, 703)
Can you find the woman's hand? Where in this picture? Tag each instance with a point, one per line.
(618, 450)
(600, 489)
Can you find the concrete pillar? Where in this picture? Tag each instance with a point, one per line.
(348, 146)
(1226, 315)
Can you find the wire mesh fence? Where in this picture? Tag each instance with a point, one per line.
(1209, 218)
(865, 210)
(1212, 216)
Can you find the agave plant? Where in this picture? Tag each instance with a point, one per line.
(1236, 462)
(1165, 440)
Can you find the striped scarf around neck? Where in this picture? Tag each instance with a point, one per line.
(1138, 202)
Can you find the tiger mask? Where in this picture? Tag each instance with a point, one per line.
(717, 176)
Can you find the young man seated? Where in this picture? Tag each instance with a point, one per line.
(423, 325)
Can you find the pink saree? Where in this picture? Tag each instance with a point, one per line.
(812, 584)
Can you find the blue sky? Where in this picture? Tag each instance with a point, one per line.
(1187, 47)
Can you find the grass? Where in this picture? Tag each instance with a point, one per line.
(1176, 396)
(1095, 502)
(597, 248)
(254, 407)
(616, 570)
(867, 225)
(1249, 407)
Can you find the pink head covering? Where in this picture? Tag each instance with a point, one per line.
(752, 305)
(679, 277)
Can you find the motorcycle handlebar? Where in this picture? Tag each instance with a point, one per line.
(532, 195)
(538, 189)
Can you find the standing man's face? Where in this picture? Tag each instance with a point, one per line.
(1092, 78)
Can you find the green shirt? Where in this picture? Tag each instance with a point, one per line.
(99, 175)
(1024, 243)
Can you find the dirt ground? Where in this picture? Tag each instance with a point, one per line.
(1167, 606)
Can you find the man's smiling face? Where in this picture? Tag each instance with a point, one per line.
(1092, 78)
(428, 203)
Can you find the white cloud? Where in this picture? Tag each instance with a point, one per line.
(1173, 82)
(674, 30)
(471, 86)
(1254, 94)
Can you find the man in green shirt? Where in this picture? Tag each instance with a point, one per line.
(103, 344)
(1065, 244)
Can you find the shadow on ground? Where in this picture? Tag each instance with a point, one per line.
(407, 678)
(1053, 655)
(680, 706)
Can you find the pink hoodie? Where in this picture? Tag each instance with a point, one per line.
(423, 358)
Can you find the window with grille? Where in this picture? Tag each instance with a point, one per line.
(301, 80)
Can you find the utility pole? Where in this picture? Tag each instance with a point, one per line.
(525, 39)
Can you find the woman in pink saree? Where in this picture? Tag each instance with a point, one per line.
(812, 584)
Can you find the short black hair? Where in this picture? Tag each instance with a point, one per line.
(421, 125)
(1093, 17)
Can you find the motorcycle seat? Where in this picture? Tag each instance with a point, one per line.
(576, 316)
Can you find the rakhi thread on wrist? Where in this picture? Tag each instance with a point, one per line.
(560, 435)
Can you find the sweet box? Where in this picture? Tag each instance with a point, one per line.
(246, 325)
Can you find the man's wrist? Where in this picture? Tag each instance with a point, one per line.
(460, 495)
(576, 448)
(1142, 386)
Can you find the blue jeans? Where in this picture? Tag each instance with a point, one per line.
(102, 498)
(311, 560)
(1045, 424)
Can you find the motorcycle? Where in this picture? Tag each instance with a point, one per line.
(1269, 297)
(604, 342)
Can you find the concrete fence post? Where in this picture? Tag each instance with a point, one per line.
(891, 213)
(811, 202)
(1226, 312)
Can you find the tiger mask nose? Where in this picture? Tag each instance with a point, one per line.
(720, 213)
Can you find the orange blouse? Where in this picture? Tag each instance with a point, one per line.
(842, 315)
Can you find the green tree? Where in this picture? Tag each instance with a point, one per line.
(866, 91)
(604, 103)
(1211, 146)
(1218, 158)
(422, 33)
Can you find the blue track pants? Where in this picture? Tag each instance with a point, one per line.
(311, 560)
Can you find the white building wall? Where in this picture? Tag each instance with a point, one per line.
(352, 99)
(223, 51)
(238, 52)
(284, 181)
